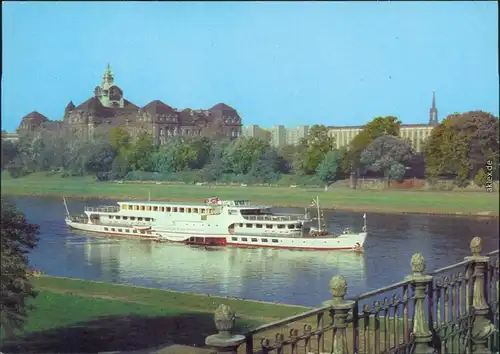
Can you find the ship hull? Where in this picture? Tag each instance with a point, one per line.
(119, 231)
(344, 242)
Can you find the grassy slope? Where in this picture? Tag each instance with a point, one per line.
(73, 314)
(346, 199)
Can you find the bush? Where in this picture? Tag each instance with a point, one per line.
(481, 178)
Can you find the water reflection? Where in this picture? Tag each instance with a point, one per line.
(227, 271)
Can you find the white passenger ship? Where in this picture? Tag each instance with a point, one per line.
(213, 223)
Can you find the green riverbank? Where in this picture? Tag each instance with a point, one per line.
(384, 201)
(73, 315)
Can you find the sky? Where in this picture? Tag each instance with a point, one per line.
(331, 63)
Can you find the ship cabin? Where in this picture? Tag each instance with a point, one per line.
(246, 217)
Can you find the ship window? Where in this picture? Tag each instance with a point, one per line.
(143, 207)
(146, 219)
(281, 226)
(255, 240)
(195, 210)
(132, 218)
(105, 229)
(249, 225)
(291, 226)
(110, 216)
(162, 209)
(139, 219)
(155, 208)
(136, 207)
(241, 225)
(125, 217)
(188, 210)
(142, 231)
(135, 231)
(275, 240)
(244, 239)
(117, 217)
(259, 226)
(113, 229)
(264, 239)
(169, 209)
(298, 226)
(120, 230)
(175, 209)
(149, 208)
(130, 207)
(181, 210)
(127, 230)
(203, 211)
(234, 238)
(269, 226)
(124, 206)
(149, 232)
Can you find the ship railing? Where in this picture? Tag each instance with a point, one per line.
(272, 217)
(103, 209)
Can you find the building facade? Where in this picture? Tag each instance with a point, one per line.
(108, 108)
(343, 135)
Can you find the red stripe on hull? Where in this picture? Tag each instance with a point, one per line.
(293, 248)
(208, 241)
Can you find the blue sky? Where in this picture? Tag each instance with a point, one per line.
(275, 62)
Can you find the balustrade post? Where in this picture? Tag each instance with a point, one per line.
(339, 312)
(422, 324)
(482, 327)
(224, 341)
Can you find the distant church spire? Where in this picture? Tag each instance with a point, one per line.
(433, 112)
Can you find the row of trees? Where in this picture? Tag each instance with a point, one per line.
(460, 147)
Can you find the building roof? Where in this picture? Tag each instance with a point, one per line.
(70, 106)
(158, 107)
(35, 118)
(222, 107)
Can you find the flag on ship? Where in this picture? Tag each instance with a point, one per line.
(313, 203)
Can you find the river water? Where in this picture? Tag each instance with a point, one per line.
(286, 276)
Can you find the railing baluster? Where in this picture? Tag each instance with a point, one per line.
(446, 307)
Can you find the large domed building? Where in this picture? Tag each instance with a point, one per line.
(108, 108)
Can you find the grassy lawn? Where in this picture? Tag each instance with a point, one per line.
(390, 201)
(74, 315)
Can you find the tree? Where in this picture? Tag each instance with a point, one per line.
(177, 155)
(266, 168)
(18, 237)
(481, 178)
(120, 167)
(119, 138)
(378, 127)
(241, 154)
(327, 169)
(9, 152)
(141, 153)
(387, 154)
(100, 160)
(462, 144)
(314, 148)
